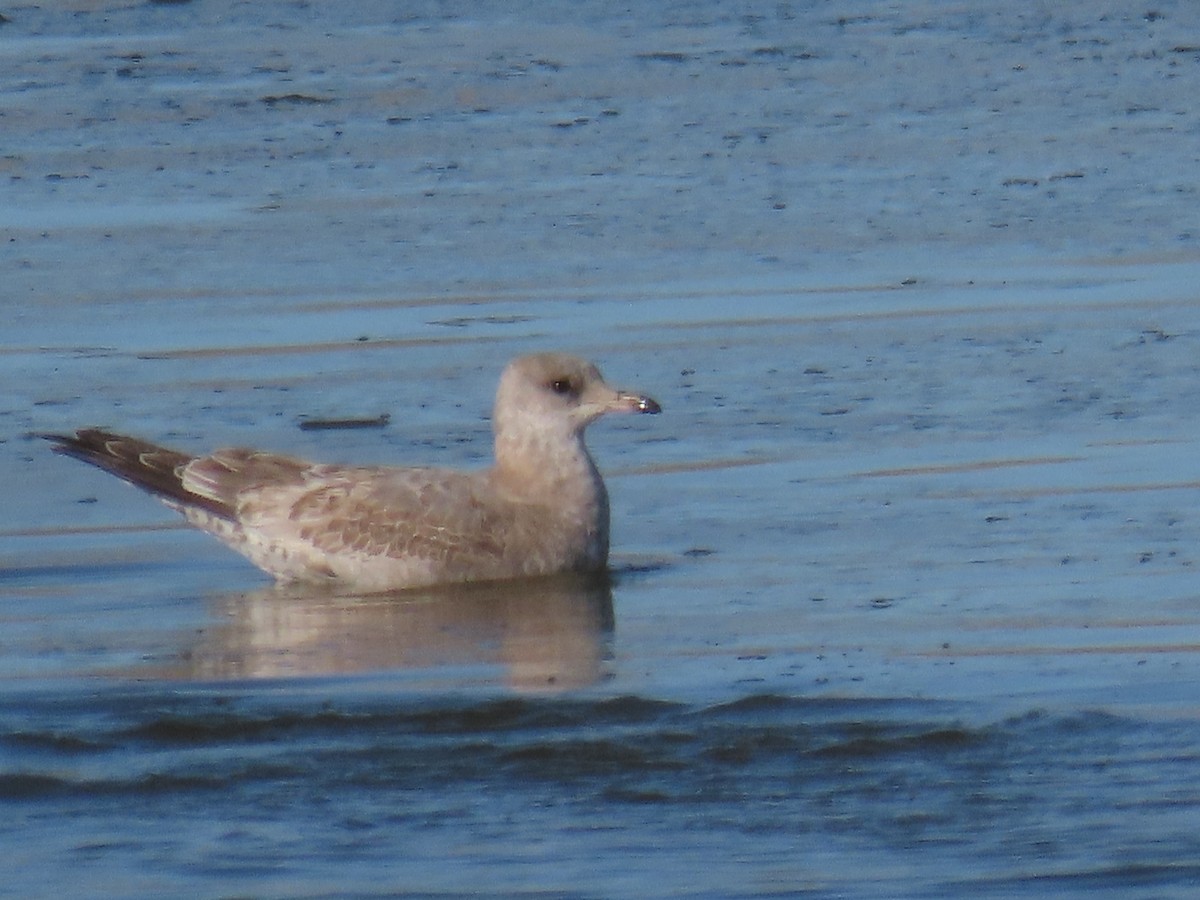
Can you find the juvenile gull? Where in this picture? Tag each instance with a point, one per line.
(541, 508)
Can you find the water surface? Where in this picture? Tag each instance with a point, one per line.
(903, 596)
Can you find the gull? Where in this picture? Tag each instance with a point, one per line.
(540, 509)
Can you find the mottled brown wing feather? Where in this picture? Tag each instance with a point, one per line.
(430, 514)
(227, 476)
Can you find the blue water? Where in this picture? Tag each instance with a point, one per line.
(564, 739)
(357, 791)
(904, 596)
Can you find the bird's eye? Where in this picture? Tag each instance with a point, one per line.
(562, 386)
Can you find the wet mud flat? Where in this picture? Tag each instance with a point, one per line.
(903, 597)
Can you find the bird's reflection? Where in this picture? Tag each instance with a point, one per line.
(543, 634)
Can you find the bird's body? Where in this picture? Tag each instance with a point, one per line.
(540, 509)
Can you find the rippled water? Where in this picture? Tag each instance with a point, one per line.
(903, 600)
(620, 795)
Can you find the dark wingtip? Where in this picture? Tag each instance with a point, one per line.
(49, 436)
(61, 443)
(147, 466)
(84, 444)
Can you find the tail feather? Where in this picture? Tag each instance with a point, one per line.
(150, 467)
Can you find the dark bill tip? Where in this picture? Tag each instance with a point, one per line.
(646, 405)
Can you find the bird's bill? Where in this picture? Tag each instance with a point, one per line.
(637, 403)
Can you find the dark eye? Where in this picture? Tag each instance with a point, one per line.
(564, 386)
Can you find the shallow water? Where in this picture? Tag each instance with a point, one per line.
(284, 792)
(903, 598)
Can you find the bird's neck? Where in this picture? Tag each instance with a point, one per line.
(542, 467)
(556, 473)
